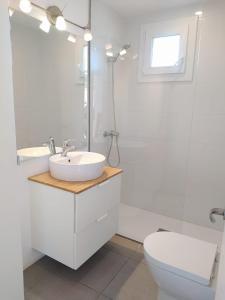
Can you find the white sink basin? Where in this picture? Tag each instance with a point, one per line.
(77, 166)
(34, 152)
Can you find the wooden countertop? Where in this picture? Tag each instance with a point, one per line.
(75, 187)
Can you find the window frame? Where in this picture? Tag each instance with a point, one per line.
(161, 30)
(186, 27)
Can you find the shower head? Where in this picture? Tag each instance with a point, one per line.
(122, 52)
(127, 46)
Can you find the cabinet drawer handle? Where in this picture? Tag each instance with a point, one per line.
(102, 218)
(104, 183)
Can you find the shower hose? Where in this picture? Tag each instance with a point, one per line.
(113, 134)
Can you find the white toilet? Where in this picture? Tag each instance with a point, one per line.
(182, 266)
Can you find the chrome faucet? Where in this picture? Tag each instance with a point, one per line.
(67, 148)
(51, 145)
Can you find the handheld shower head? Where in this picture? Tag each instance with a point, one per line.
(122, 52)
(127, 46)
(124, 49)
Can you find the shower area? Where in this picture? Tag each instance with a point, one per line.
(168, 137)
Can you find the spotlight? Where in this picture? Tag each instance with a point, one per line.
(25, 6)
(71, 38)
(60, 23)
(56, 18)
(45, 25)
(11, 12)
(108, 46)
(123, 52)
(88, 35)
(109, 53)
(199, 13)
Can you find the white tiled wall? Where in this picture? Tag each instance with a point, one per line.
(172, 134)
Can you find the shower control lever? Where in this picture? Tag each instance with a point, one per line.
(111, 133)
(218, 212)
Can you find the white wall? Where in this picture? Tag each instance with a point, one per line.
(173, 134)
(11, 282)
(220, 289)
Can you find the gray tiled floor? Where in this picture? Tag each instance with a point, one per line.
(116, 271)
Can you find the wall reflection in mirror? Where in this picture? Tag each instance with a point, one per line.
(50, 75)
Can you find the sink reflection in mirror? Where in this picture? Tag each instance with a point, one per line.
(34, 152)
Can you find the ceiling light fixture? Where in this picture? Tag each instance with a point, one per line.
(88, 35)
(108, 46)
(60, 23)
(55, 17)
(109, 53)
(71, 38)
(199, 13)
(45, 25)
(123, 52)
(25, 6)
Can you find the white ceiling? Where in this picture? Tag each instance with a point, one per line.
(129, 8)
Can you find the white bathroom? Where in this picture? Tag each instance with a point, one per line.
(112, 161)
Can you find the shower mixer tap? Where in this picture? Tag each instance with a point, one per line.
(111, 133)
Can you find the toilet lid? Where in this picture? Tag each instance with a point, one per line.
(180, 254)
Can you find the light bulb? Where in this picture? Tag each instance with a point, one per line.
(71, 38)
(199, 13)
(25, 6)
(123, 52)
(108, 46)
(88, 35)
(135, 56)
(11, 12)
(45, 25)
(109, 53)
(60, 23)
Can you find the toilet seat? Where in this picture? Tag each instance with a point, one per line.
(182, 255)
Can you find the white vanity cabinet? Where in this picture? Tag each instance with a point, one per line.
(71, 227)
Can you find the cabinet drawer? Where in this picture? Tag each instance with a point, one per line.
(87, 242)
(94, 203)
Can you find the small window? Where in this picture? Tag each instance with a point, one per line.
(165, 51)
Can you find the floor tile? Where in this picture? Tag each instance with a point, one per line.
(140, 286)
(41, 271)
(116, 271)
(57, 289)
(29, 295)
(102, 297)
(102, 269)
(113, 289)
(126, 247)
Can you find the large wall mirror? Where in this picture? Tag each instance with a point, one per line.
(50, 75)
